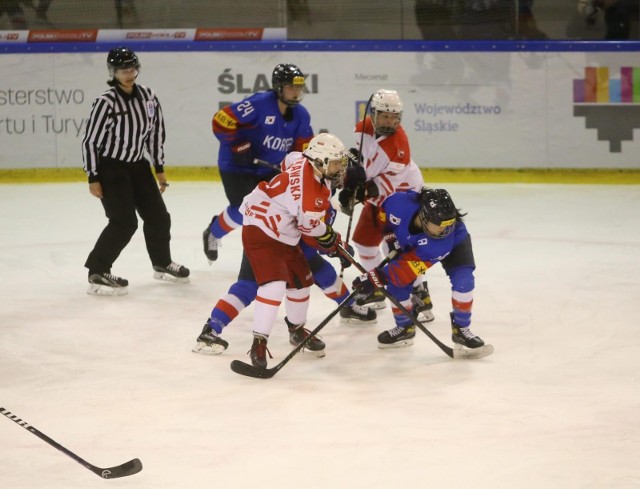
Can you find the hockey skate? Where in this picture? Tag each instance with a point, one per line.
(172, 273)
(422, 305)
(259, 351)
(209, 343)
(463, 336)
(210, 243)
(358, 315)
(376, 300)
(107, 284)
(298, 333)
(397, 337)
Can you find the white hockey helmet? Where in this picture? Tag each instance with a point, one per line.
(328, 155)
(389, 102)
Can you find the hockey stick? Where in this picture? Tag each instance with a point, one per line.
(128, 468)
(457, 353)
(352, 203)
(243, 368)
(266, 164)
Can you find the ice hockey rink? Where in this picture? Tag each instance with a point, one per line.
(113, 378)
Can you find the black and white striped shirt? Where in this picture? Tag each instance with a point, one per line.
(122, 127)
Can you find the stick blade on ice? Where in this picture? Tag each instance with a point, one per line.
(250, 371)
(128, 468)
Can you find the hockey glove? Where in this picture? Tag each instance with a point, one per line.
(329, 241)
(355, 177)
(241, 154)
(345, 197)
(355, 157)
(368, 283)
(344, 261)
(392, 242)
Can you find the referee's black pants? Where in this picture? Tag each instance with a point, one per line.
(127, 188)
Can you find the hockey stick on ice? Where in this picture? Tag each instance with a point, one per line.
(243, 368)
(456, 353)
(128, 468)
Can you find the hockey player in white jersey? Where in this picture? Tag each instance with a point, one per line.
(276, 215)
(385, 167)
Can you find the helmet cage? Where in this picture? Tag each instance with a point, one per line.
(386, 101)
(323, 150)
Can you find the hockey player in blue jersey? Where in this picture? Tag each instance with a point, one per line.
(424, 228)
(265, 127)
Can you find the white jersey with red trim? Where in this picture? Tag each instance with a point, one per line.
(291, 204)
(387, 162)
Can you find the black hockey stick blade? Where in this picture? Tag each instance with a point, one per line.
(128, 468)
(243, 368)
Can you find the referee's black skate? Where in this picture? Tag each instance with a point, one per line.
(210, 243)
(298, 333)
(107, 284)
(172, 273)
(397, 337)
(358, 314)
(463, 336)
(209, 343)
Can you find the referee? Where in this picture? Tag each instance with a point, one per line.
(125, 122)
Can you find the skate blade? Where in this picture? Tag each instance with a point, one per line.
(357, 321)
(167, 277)
(397, 344)
(205, 349)
(96, 289)
(425, 317)
(464, 353)
(317, 353)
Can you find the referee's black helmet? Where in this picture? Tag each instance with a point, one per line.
(121, 58)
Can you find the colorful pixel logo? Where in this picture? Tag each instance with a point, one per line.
(610, 106)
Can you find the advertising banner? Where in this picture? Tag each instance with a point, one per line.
(461, 109)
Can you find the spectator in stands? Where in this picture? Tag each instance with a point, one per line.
(14, 11)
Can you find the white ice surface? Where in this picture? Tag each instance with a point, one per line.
(556, 406)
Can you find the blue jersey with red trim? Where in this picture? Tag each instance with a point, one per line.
(257, 120)
(419, 251)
